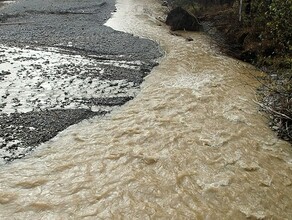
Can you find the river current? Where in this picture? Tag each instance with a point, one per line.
(191, 145)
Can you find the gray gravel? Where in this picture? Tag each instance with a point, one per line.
(60, 65)
(74, 24)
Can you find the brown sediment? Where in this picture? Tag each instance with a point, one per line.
(191, 145)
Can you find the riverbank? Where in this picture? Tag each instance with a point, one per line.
(244, 40)
(191, 145)
(60, 65)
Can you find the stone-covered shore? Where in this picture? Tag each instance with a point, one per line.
(59, 65)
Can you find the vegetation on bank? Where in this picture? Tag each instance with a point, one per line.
(259, 32)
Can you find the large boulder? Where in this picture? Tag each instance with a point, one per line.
(180, 19)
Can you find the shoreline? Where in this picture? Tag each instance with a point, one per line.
(274, 93)
(241, 40)
(96, 70)
(192, 144)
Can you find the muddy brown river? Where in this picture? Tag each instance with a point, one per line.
(191, 145)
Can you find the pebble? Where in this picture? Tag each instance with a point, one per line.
(5, 72)
(275, 128)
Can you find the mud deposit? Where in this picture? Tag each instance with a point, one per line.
(59, 65)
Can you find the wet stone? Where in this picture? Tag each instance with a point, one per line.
(5, 72)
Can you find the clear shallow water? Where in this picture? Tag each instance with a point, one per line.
(191, 145)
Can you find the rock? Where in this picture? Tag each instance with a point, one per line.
(164, 3)
(175, 34)
(6, 72)
(189, 39)
(275, 128)
(180, 19)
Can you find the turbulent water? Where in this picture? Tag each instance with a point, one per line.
(191, 145)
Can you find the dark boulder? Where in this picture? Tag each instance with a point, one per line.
(180, 19)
